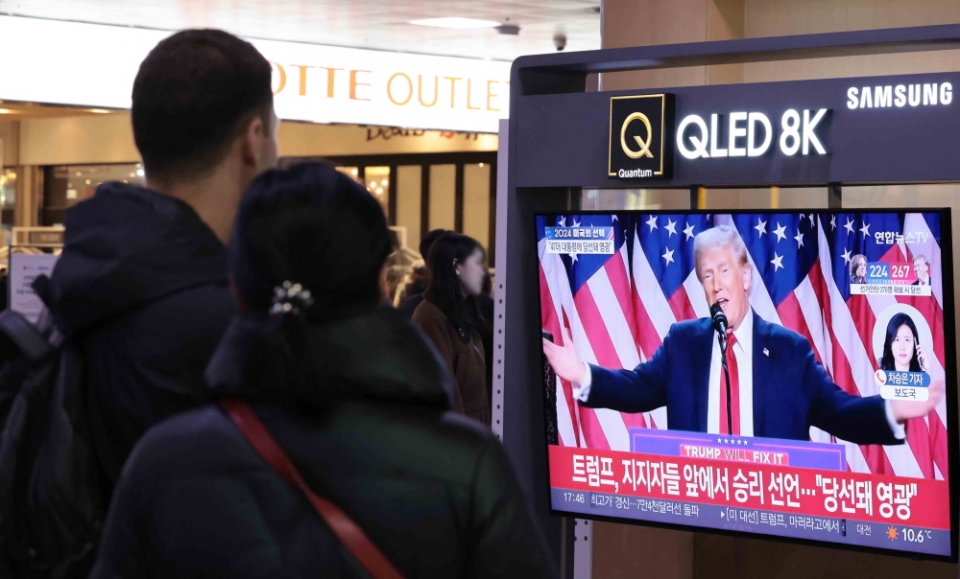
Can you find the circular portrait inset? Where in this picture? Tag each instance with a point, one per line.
(902, 340)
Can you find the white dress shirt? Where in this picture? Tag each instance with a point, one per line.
(743, 350)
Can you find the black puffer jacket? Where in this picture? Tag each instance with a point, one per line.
(360, 406)
(142, 285)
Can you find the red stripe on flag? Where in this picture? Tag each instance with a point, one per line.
(548, 317)
(592, 431)
(941, 452)
(681, 306)
(876, 458)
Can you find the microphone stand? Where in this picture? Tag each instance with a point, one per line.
(726, 375)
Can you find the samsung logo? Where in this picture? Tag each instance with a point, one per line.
(901, 95)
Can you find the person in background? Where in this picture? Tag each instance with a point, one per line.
(142, 280)
(450, 317)
(413, 293)
(354, 395)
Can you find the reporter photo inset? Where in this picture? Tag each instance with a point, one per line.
(815, 409)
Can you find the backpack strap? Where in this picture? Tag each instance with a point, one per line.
(346, 530)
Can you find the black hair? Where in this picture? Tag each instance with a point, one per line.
(314, 226)
(426, 242)
(445, 291)
(886, 361)
(194, 93)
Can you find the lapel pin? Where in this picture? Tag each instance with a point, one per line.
(766, 352)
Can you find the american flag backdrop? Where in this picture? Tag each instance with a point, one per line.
(618, 309)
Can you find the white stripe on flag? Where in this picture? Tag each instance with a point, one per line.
(565, 429)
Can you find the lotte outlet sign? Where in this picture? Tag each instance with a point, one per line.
(94, 65)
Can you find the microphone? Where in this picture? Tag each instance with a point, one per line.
(719, 321)
(720, 325)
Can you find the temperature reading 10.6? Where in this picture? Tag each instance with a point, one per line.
(915, 535)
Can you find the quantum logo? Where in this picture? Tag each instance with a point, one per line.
(644, 145)
(641, 136)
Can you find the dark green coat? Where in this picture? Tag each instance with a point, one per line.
(361, 407)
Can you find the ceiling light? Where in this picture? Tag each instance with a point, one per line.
(481, 165)
(139, 172)
(383, 182)
(455, 23)
(88, 181)
(99, 111)
(379, 191)
(7, 111)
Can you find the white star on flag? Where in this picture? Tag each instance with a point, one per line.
(777, 262)
(576, 223)
(833, 223)
(573, 258)
(780, 232)
(846, 257)
(761, 227)
(849, 226)
(562, 222)
(668, 255)
(865, 230)
(812, 223)
(688, 231)
(652, 222)
(671, 227)
(615, 218)
(799, 239)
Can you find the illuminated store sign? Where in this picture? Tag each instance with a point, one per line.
(311, 82)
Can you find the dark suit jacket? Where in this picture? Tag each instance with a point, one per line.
(791, 390)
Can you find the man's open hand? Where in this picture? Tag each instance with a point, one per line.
(564, 359)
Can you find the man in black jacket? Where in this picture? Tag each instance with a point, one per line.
(142, 281)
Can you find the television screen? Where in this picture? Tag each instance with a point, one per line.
(773, 373)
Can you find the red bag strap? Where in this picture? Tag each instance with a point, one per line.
(349, 533)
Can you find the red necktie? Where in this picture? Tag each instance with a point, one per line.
(734, 391)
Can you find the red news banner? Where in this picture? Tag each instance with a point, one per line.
(805, 491)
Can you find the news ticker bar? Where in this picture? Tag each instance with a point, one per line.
(864, 497)
(793, 525)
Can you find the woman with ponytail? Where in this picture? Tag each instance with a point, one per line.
(352, 397)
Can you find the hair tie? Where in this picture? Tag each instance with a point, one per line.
(290, 298)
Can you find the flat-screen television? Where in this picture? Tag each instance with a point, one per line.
(780, 374)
